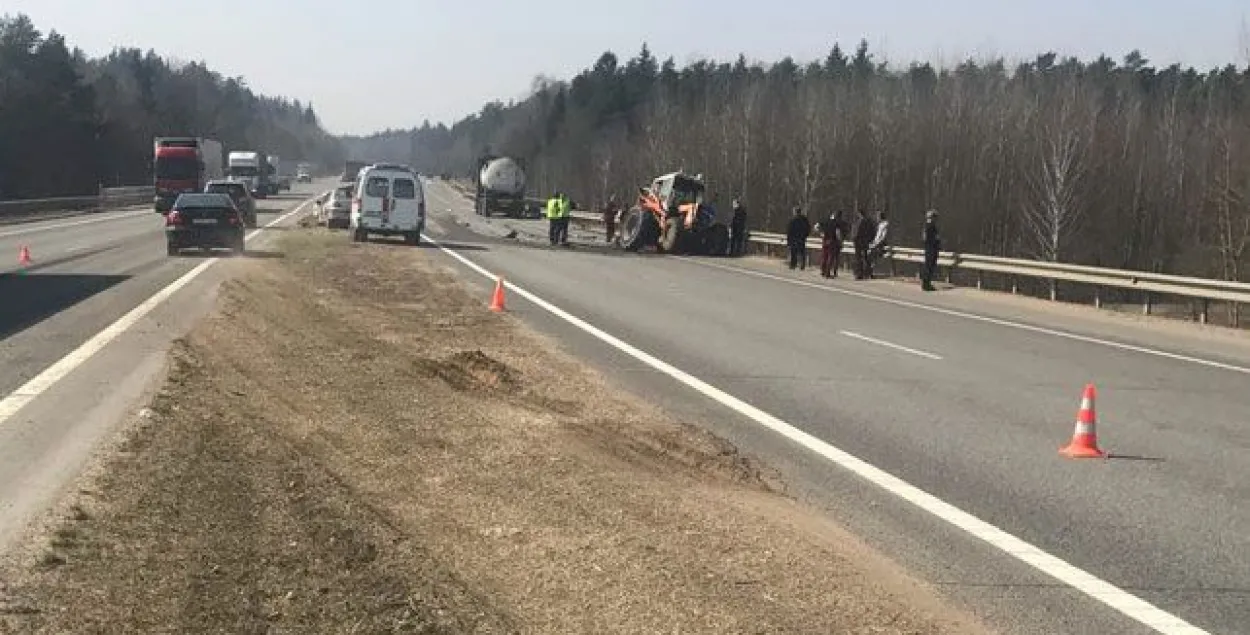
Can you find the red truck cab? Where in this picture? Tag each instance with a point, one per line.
(181, 165)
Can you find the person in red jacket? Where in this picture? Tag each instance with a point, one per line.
(833, 233)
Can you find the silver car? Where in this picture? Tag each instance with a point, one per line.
(336, 209)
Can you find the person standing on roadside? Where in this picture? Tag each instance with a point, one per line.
(833, 233)
(865, 231)
(738, 229)
(553, 218)
(796, 239)
(932, 247)
(566, 208)
(880, 242)
(610, 210)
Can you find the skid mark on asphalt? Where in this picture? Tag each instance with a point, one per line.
(1096, 588)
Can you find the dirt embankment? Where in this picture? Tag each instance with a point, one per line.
(353, 444)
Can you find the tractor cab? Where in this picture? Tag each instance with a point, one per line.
(677, 191)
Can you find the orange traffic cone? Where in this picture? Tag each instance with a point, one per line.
(496, 301)
(23, 257)
(1084, 443)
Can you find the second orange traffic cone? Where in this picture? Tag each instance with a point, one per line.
(1084, 443)
(23, 257)
(496, 301)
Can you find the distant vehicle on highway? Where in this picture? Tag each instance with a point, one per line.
(246, 166)
(351, 170)
(303, 176)
(389, 201)
(183, 164)
(238, 192)
(336, 208)
(204, 221)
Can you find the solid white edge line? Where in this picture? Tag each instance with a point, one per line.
(981, 318)
(48, 377)
(873, 340)
(41, 227)
(1092, 586)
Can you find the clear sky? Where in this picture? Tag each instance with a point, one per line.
(392, 63)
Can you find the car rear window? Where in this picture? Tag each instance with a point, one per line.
(405, 188)
(377, 187)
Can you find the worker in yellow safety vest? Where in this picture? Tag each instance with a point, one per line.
(558, 217)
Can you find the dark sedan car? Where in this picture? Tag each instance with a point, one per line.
(204, 221)
(242, 197)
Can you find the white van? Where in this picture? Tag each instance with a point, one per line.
(389, 201)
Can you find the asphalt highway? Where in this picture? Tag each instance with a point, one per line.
(63, 387)
(961, 395)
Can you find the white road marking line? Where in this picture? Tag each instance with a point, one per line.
(1096, 588)
(892, 345)
(981, 318)
(37, 385)
(41, 227)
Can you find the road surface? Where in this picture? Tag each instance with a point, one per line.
(88, 272)
(963, 396)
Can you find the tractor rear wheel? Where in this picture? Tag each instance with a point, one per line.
(638, 229)
(674, 238)
(716, 240)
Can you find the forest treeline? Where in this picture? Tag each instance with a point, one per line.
(1113, 163)
(69, 123)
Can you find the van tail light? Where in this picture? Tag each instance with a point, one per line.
(232, 217)
(173, 218)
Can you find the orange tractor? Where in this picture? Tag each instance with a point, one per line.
(672, 216)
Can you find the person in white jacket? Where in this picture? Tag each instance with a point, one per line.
(879, 243)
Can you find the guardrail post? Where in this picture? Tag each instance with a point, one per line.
(893, 270)
(1015, 286)
(1054, 289)
(1097, 297)
(1145, 305)
(1204, 311)
(980, 280)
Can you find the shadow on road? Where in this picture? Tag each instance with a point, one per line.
(259, 254)
(28, 298)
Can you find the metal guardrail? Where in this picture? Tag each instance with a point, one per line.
(106, 198)
(1203, 289)
(1149, 284)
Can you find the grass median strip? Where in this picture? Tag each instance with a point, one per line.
(353, 443)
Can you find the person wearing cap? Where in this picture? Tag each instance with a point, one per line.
(932, 247)
(796, 239)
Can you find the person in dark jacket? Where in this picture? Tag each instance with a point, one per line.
(738, 229)
(932, 247)
(865, 232)
(610, 211)
(833, 233)
(796, 239)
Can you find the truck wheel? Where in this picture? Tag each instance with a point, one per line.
(413, 238)
(171, 249)
(674, 238)
(358, 236)
(638, 229)
(716, 240)
(239, 246)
